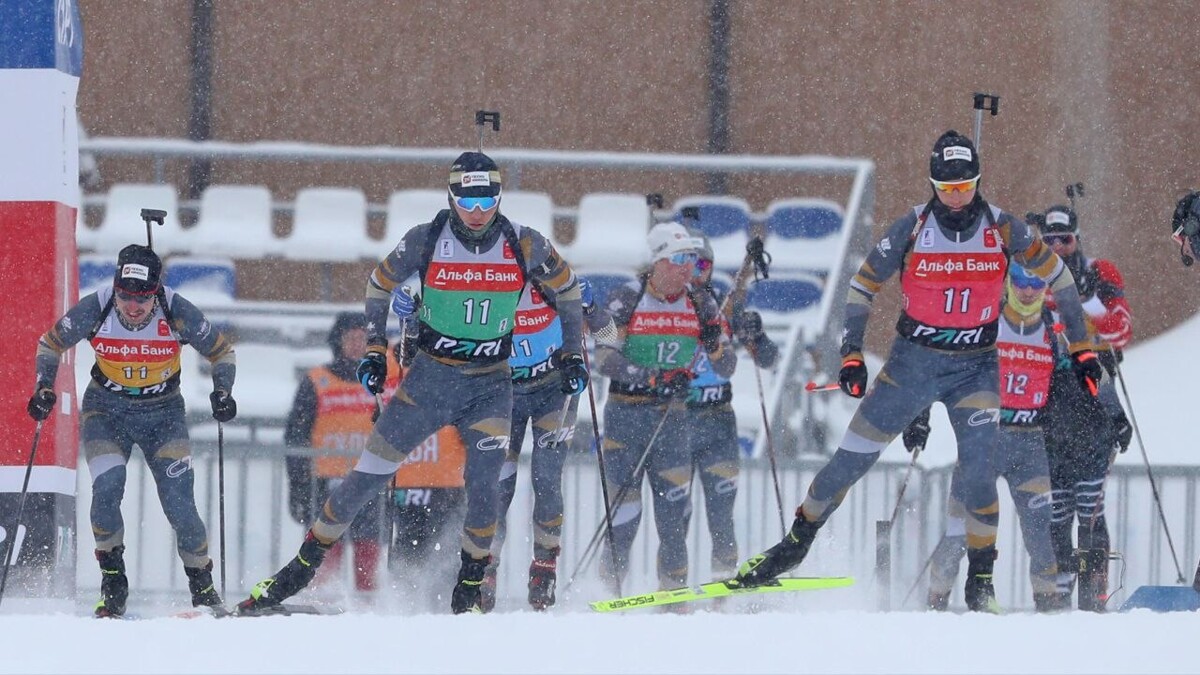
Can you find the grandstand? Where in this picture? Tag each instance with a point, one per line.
(232, 248)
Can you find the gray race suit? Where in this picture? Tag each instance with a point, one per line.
(646, 433)
(1027, 352)
(538, 400)
(133, 398)
(713, 440)
(456, 379)
(958, 275)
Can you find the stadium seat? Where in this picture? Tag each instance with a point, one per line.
(604, 280)
(409, 208)
(784, 296)
(726, 223)
(610, 231)
(95, 271)
(530, 209)
(804, 233)
(236, 221)
(123, 224)
(330, 224)
(201, 280)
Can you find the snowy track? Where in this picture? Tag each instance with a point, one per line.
(523, 642)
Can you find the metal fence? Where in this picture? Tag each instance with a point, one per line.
(261, 536)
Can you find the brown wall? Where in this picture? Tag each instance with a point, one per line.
(1093, 92)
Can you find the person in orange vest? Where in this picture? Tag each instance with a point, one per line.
(332, 411)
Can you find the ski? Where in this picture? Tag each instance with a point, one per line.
(288, 610)
(223, 613)
(718, 589)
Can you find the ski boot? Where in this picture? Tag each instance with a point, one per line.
(1093, 579)
(1051, 603)
(487, 590)
(467, 590)
(200, 583)
(114, 585)
(979, 592)
(937, 601)
(781, 557)
(290, 580)
(542, 579)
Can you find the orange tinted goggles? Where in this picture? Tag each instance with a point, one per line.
(955, 186)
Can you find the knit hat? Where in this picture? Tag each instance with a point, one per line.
(953, 158)
(139, 270)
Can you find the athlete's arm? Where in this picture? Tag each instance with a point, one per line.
(882, 263)
(1115, 323)
(557, 281)
(723, 358)
(191, 325)
(69, 329)
(611, 362)
(403, 262)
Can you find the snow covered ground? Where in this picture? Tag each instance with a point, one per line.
(575, 642)
(819, 632)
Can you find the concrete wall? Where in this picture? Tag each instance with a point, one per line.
(1094, 92)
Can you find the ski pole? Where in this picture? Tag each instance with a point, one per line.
(221, 496)
(608, 526)
(814, 387)
(1146, 460)
(904, 484)
(11, 535)
(762, 404)
(921, 575)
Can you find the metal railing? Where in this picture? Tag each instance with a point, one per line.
(261, 535)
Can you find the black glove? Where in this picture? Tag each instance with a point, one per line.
(916, 434)
(372, 372)
(710, 335)
(41, 404)
(574, 373)
(1122, 431)
(673, 383)
(748, 326)
(223, 406)
(1088, 370)
(853, 376)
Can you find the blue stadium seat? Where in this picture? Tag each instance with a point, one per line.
(805, 233)
(782, 296)
(202, 277)
(603, 281)
(724, 220)
(95, 270)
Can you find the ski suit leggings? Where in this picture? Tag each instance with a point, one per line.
(712, 439)
(1021, 460)
(628, 428)
(912, 378)
(111, 425)
(543, 406)
(477, 401)
(1080, 447)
